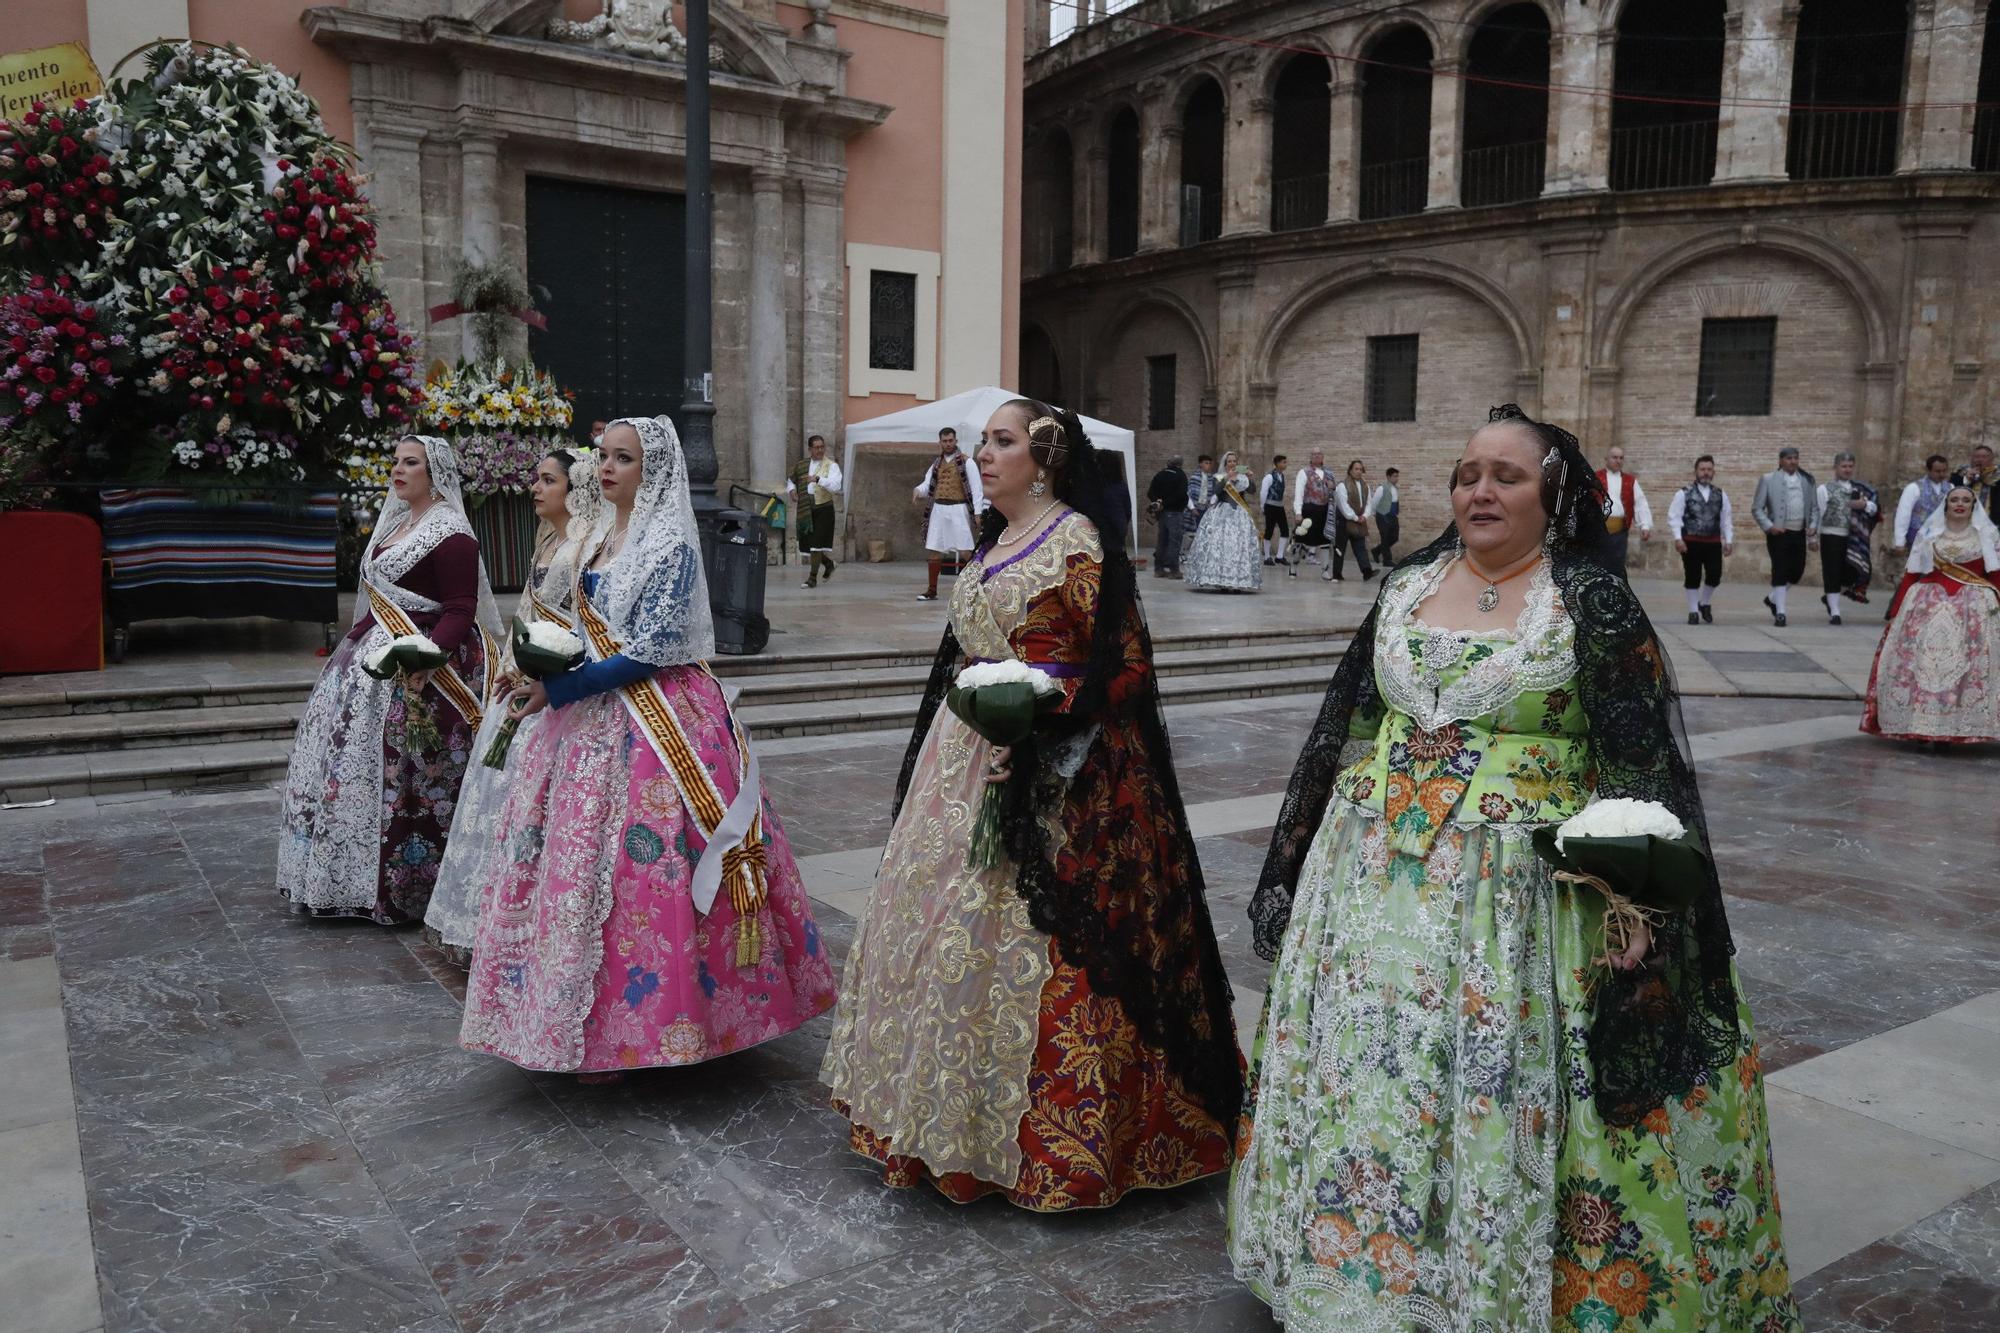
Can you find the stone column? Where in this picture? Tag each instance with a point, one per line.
(1246, 152)
(479, 198)
(1447, 113)
(1947, 38)
(1038, 26)
(1343, 162)
(1756, 66)
(822, 284)
(1939, 332)
(768, 390)
(1159, 170)
(1580, 156)
(395, 158)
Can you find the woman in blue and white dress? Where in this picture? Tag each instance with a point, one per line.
(1226, 556)
(567, 498)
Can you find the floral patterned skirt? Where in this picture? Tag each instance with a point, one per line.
(1937, 671)
(1422, 1150)
(590, 955)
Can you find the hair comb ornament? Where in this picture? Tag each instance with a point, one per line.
(1049, 434)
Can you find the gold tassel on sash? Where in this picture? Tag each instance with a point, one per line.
(744, 865)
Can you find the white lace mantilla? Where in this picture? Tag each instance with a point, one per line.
(1537, 653)
(330, 844)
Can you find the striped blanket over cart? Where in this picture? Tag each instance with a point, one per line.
(171, 555)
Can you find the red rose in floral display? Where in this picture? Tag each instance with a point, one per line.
(56, 361)
(57, 192)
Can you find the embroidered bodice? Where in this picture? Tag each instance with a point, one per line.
(1477, 726)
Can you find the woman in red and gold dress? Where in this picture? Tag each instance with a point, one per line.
(1056, 1028)
(1937, 672)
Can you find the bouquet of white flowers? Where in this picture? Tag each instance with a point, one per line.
(1638, 854)
(400, 659)
(1000, 701)
(541, 649)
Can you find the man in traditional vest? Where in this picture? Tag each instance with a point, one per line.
(1984, 479)
(814, 482)
(1312, 495)
(1385, 511)
(1784, 510)
(1919, 499)
(1277, 524)
(1350, 504)
(1629, 509)
(1703, 531)
(951, 488)
(1844, 511)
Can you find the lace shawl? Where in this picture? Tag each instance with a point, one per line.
(655, 593)
(1659, 1030)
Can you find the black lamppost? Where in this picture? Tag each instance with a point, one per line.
(698, 398)
(732, 542)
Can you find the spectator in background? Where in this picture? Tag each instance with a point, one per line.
(1704, 532)
(1844, 516)
(1312, 493)
(1277, 523)
(1628, 505)
(1166, 504)
(1350, 500)
(1981, 478)
(1385, 512)
(1920, 499)
(1783, 508)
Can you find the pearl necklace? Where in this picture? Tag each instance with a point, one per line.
(1004, 540)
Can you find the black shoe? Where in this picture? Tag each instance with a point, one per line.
(1338, 578)
(1369, 575)
(1269, 561)
(1693, 619)
(1779, 619)
(1834, 621)
(1707, 615)
(1777, 616)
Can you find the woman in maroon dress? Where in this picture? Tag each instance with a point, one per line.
(376, 768)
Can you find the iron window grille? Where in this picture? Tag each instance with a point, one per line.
(1392, 378)
(1160, 376)
(892, 320)
(1737, 357)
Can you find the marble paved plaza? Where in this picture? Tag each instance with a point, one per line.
(214, 1115)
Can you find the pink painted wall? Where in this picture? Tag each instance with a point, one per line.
(33, 23)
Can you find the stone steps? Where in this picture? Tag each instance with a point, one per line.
(103, 740)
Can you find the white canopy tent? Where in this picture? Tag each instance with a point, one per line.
(968, 413)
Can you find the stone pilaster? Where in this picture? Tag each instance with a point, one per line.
(1236, 300)
(768, 390)
(822, 305)
(479, 219)
(1947, 38)
(1581, 58)
(1246, 152)
(1090, 166)
(1159, 169)
(1756, 68)
(1936, 339)
(1447, 115)
(395, 158)
(1038, 25)
(1569, 281)
(1343, 163)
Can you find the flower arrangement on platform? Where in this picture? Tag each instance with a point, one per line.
(226, 248)
(59, 365)
(501, 419)
(58, 193)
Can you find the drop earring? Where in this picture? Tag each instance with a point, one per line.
(1040, 486)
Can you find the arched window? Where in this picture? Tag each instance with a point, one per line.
(1507, 120)
(1201, 165)
(1301, 137)
(1847, 62)
(1051, 191)
(1395, 124)
(1986, 121)
(1121, 185)
(1666, 85)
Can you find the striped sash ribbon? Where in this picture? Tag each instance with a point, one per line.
(450, 684)
(733, 857)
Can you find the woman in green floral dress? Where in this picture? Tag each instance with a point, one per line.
(1467, 1114)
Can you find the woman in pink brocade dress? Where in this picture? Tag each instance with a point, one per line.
(1937, 670)
(642, 906)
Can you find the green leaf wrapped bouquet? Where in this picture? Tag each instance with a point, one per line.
(1001, 701)
(400, 659)
(541, 649)
(1638, 854)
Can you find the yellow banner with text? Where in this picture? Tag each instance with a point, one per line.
(55, 74)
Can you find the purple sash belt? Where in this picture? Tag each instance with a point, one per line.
(1058, 669)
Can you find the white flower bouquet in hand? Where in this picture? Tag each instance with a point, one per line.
(400, 659)
(1638, 854)
(1001, 702)
(541, 649)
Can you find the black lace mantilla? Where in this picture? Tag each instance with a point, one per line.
(1658, 1031)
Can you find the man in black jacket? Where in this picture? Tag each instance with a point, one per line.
(1167, 502)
